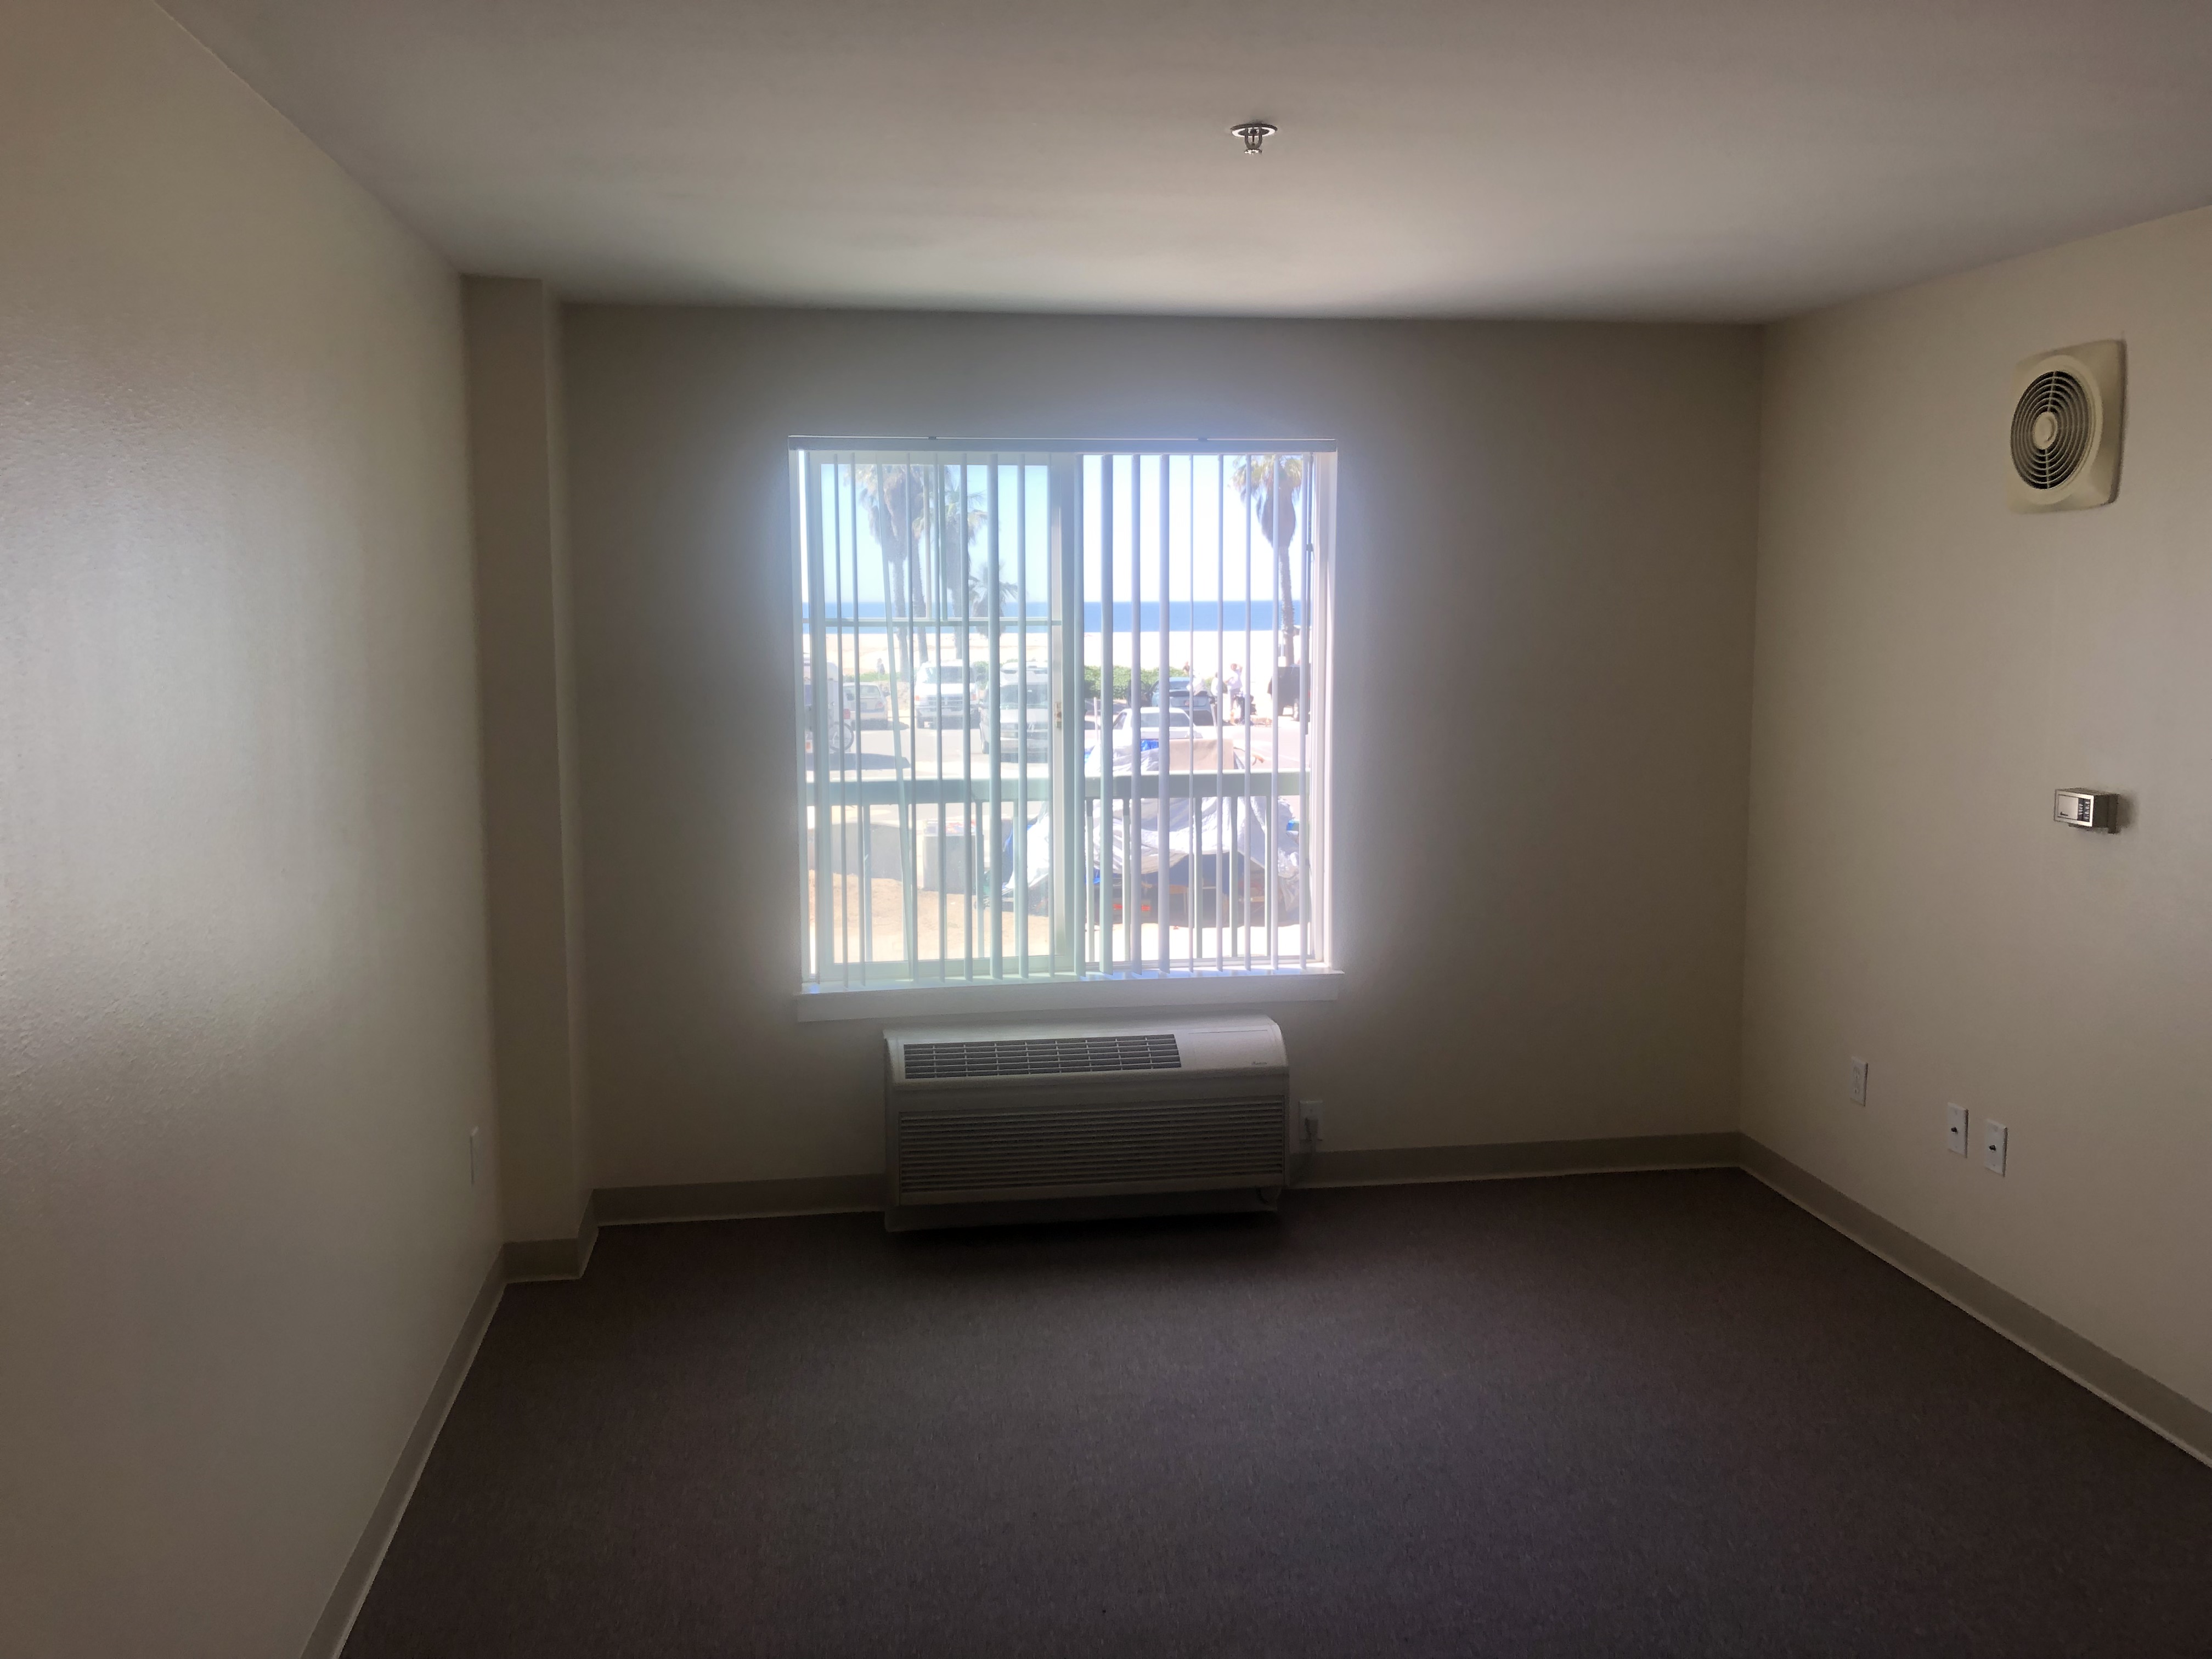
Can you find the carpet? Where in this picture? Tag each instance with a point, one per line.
(1626, 1414)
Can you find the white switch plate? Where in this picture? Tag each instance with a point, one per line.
(1309, 1114)
(1858, 1083)
(1954, 1130)
(1993, 1144)
(476, 1157)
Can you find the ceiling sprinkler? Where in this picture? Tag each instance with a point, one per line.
(1254, 134)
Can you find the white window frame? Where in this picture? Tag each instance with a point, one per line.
(1068, 981)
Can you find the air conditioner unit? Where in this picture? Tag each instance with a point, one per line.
(2065, 442)
(1008, 1121)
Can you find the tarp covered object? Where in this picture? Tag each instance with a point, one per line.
(1228, 839)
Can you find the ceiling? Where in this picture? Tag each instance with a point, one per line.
(1729, 159)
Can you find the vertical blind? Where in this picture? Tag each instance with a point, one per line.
(1063, 709)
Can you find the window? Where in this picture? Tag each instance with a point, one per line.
(1063, 710)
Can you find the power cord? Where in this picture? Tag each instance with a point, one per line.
(1309, 1141)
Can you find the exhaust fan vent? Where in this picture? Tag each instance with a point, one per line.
(2066, 428)
(1041, 1056)
(2050, 429)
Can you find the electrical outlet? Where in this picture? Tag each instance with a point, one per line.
(476, 1154)
(1993, 1144)
(1954, 1130)
(1309, 1116)
(1858, 1081)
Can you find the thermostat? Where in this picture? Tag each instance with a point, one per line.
(2088, 809)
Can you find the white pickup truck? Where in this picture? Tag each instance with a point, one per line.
(1025, 714)
(944, 692)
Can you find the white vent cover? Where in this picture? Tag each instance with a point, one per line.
(1149, 1051)
(2065, 438)
(977, 1117)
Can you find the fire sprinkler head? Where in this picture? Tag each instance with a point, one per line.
(1254, 134)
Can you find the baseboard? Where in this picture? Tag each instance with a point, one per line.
(2149, 1401)
(529, 1259)
(738, 1200)
(1402, 1165)
(328, 1635)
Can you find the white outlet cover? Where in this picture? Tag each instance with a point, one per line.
(1954, 1130)
(1858, 1085)
(1993, 1145)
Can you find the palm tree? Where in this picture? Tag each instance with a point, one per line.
(920, 579)
(966, 520)
(894, 498)
(889, 496)
(1270, 487)
(920, 574)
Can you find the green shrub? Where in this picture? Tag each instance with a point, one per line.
(1147, 684)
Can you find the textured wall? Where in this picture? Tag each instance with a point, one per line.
(1930, 668)
(1543, 638)
(243, 1034)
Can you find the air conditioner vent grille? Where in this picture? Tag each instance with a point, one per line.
(2053, 425)
(1041, 1056)
(1159, 1145)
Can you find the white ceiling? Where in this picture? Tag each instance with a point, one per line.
(1741, 159)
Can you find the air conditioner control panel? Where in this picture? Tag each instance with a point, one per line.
(2088, 809)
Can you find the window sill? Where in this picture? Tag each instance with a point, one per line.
(1072, 996)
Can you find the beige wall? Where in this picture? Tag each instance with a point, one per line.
(1543, 638)
(532, 857)
(1930, 668)
(242, 1015)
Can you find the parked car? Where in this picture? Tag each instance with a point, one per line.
(1135, 739)
(944, 692)
(1026, 715)
(1195, 701)
(869, 701)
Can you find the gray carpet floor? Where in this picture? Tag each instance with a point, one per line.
(1645, 1414)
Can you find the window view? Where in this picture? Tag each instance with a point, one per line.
(1061, 711)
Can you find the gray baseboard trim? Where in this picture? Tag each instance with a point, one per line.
(529, 1259)
(2149, 1401)
(738, 1200)
(329, 1637)
(1401, 1165)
